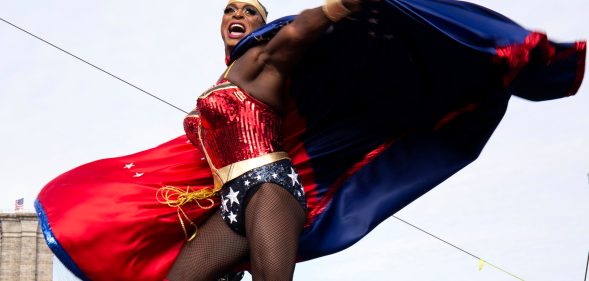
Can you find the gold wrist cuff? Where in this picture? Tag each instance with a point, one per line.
(335, 10)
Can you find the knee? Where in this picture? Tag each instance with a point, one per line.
(272, 267)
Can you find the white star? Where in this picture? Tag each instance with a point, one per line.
(232, 217)
(274, 175)
(225, 205)
(137, 175)
(259, 177)
(247, 182)
(293, 176)
(129, 166)
(233, 196)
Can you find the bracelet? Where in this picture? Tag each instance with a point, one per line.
(335, 10)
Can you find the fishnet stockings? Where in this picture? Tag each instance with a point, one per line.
(273, 222)
(212, 253)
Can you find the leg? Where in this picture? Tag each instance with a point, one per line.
(212, 253)
(273, 222)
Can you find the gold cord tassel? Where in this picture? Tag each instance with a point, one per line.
(176, 197)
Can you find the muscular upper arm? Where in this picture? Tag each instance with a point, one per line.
(263, 70)
(284, 50)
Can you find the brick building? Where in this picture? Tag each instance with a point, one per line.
(24, 256)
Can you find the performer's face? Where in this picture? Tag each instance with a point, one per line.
(239, 20)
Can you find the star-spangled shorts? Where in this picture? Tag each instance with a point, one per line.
(236, 193)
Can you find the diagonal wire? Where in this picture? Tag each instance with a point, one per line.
(162, 100)
(90, 64)
(458, 248)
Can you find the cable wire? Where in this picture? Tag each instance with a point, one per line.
(90, 64)
(162, 100)
(458, 248)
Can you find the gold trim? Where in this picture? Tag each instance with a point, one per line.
(239, 95)
(254, 3)
(231, 171)
(211, 166)
(193, 113)
(335, 10)
(222, 86)
(237, 169)
(228, 69)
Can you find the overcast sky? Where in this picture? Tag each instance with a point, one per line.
(523, 205)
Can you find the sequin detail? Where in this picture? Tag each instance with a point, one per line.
(235, 193)
(235, 126)
(191, 123)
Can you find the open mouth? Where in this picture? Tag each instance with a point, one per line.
(236, 31)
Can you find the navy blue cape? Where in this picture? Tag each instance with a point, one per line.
(397, 99)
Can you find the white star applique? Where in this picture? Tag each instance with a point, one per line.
(293, 176)
(225, 205)
(232, 217)
(247, 183)
(129, 166)
(138, 175)
(274, 175)
(233, 196)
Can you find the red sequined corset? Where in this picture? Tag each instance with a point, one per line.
(235, 125)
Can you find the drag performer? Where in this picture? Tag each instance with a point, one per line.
(238, 126)
(322, 127)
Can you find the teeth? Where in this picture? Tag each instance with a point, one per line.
(237, 28)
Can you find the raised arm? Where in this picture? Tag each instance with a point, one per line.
(284, 50)
(262, 71)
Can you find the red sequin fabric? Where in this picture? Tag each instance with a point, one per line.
(235, 125)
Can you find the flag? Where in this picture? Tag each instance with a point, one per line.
(18, 204)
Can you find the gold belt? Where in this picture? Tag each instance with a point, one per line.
(231, 171)
(177, 197)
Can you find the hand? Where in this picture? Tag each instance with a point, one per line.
(352, 5)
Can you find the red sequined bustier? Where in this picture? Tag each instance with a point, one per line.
(234, 125)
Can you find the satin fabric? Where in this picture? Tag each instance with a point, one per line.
(369, 133)
(106, 219)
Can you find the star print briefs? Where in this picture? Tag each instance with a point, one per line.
(236, 193)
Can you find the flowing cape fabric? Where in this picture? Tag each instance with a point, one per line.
(383, 108)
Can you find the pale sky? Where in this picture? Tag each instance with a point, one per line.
(522, 205)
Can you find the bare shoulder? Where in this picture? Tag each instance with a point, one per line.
(247, 67)
(257, 77)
